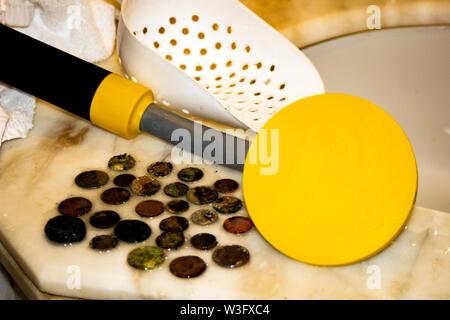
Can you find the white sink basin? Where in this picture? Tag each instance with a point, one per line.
(405, 71)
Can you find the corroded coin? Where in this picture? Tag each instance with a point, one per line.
(160, 169)
(104, 242)
(65, 229)
(177, 206)
(231, 256)
(227, 204)
(226, 185)
(75, 207)
(124, 180)
(115, 196)
(170, 240)
(132, 231)
(91, 179)
(190, 174)
(202, 195)
(237, 224)
(150, 208)
(176, 189)
(145, 186)
(146, 258)
(174, 224)
(204, 217)
(121, 162)
(187, 267)
(104, 219)
(204, 241)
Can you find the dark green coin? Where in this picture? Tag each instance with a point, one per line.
(227, 204)
(146, 258)
(104, 242)
(177, 206)
(237, 224)
(226, 185)
(75, 207)
(202, 195)
(121, 162)
(160, 169)
(204, 241)
(232, 256)
(115, 196)
(176, 189)
(150, 208)
(170, 240)
(174, 224)
(132, 231)
(190, 174)
(91, 179)
(204, 217)
(145, 186)
(187, 267)
(124, 180)
(104, 219)
(65, 229)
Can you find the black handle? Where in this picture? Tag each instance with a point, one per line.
(48, 73)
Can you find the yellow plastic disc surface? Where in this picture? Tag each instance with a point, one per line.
(341, 186)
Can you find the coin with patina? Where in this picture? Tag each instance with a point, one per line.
(146, 258)
(104, 242)
(121, 162)
(145, 186)
(202, 195)
(204, 241)
(226, 185)
(65, 229)
(177, 206)
(227, 204)
(132, 231)
(150, 208)
(124, 180)
(237, 224)
(104, 219)
(115, 196)
(75, 207)
(187, 267)
(170, 240)
(190, 174)
(174, 224)
(233, 256)
(160, 169)
(176, 189)
(91, 179)
(204, 217)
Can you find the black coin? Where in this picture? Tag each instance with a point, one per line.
(176, 189)
(75, 207)
(226, 185)
(104, 242)
(187, 267)
(227, 204)
(124, 180)
(177, 206)
(174, 224)
(160, 169)
(145, 186)
(204, 241)
(150, 208)
(204, 217)
(132, 231)
(65, 229)
(91, 179)
(121, 162)
(104, 219)
(202, 195)
(115, 196)
(231, 256)
(190, 174)
(170, 240)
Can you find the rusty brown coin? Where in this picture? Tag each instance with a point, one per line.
(75, 207)
(233, 256)
(124, 180)
(204, 241)
(176, 189)
(237, 224)
(204, 217)
(115, 196)
(104, 242)
(91, 179)
(160, 169)
(150, 208)
(190, 174)
(187, 267)
(174, 224)
(202, 195)
(226, 185)
(177, 206)
(227, 204)
(170, 240)
(145, 186)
